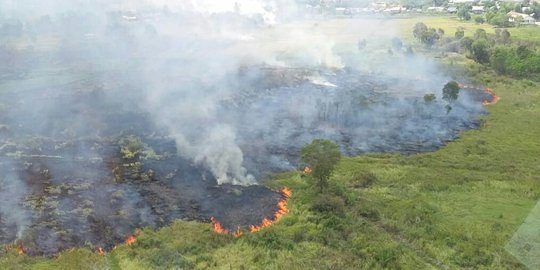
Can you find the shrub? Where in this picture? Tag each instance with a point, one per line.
(326, 203)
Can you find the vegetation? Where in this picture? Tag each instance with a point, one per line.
(451, 91)
(506, 55)
(322, 157)
(454, 208)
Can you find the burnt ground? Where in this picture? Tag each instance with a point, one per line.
(83, 169)
(68, 183)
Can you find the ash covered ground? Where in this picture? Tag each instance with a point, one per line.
(113, 121)
(94, 170)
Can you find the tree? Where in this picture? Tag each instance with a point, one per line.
(322, 157)
(480, 51)
(429, 98)
(430, 37)
(499, 59)
(419, 29)
(479, 20)
(498, 19)
(463, 13)
(535, 9)
(451, 91)
(480, 33)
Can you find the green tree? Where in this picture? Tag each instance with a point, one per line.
(480, 51)
(429, 98)
(322, 157)
(498, 19)
(480, 33)
(463, 13)
(499, 59)
(419, 29)
(451, 91)
(479, 20)
(535, 9)
(430, 37)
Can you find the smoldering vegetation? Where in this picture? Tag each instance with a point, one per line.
(114, 119)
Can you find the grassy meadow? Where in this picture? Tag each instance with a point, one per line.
(451, 209)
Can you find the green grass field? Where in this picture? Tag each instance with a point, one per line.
(450, 25)
(454, 208)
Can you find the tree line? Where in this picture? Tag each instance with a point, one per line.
(516, 58)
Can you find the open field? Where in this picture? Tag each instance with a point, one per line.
(454, 208)
(450, 25)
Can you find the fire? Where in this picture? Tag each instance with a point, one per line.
(286, 192)
(130, 240)
(21, 249)
(494, 100)
(307, 170)
(238, 232)
(266, 222)
(218, 228)
(101, 252)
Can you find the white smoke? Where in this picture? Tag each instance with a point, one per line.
(12, 195)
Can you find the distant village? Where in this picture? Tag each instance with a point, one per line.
(515, 11)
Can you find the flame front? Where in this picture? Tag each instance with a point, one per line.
(21, 249)
(307, 170)
(101, 251)
(218, 228)
(130, 240)
(493, 101)
(266, 222)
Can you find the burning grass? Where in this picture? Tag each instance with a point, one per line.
(282, 210)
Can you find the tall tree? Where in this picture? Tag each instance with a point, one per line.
(322, 157)
(480, 51)
(451, 91)
(419, 29)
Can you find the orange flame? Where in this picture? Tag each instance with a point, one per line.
(21, 249)
(493, 101)
(287, 192)
(130, 240)
(238, 232)
(307, 170)
(218, 228)
(101, 252)
(266, 222)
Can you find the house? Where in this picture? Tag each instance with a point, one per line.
(435, 9)
(451, 9)
(340, 11)
(477, 9)
(525, 19)
(395, 10)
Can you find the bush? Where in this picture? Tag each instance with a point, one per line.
(480, 50)
(329, 204)
(479, 20)
(367, 179)
(429, 98)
